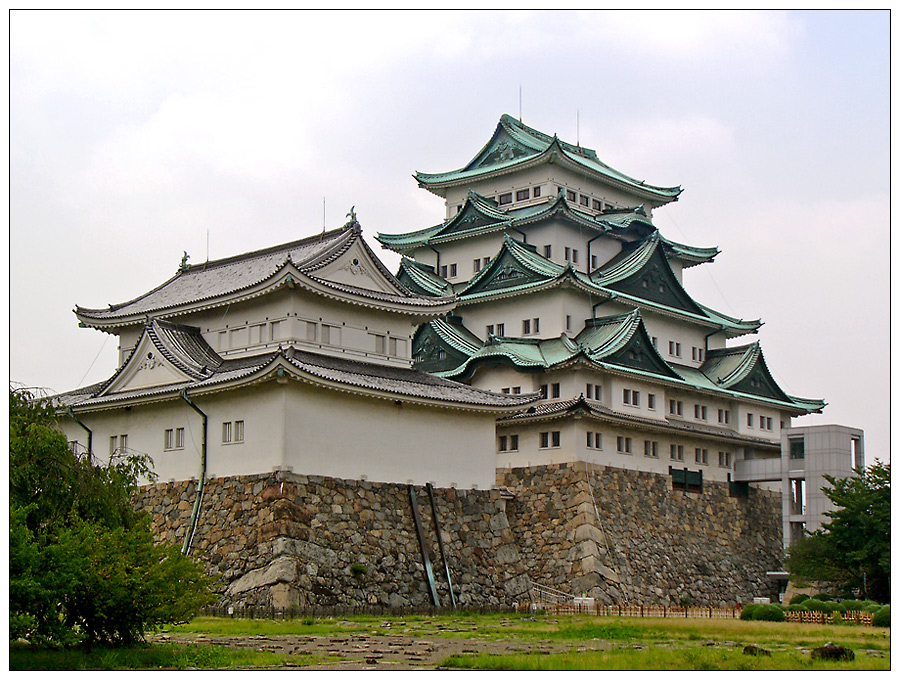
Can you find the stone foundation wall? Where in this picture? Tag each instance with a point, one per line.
(287, 540)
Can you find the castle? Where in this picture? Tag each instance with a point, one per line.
(538, 343)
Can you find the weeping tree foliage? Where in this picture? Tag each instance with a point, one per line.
(84, 568)
(852, 551)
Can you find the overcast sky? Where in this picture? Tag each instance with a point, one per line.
(137, 136)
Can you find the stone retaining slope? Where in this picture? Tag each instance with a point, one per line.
(285, 540)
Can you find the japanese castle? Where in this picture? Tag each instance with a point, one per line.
(543, 321)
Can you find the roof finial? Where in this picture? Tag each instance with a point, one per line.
(184, 266)
(352, 222)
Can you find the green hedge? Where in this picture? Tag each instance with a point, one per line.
(882, 617)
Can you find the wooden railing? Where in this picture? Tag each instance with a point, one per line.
(860, 618)
(636, 610)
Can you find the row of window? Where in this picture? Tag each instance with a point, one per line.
(521, 195)
(765, 423)
(594, 440)
(173, 438)
(479, 262)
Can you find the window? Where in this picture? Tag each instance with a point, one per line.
(570, 195)
(501, 329)
(537, 325)
(651, 449)
(502, 443)
(513, 442)
(594, 261)
(118, 444)
(798, 449)
(724, 459)
(568, 322)
(749, 420)
(654, 340)
(762, 422)
(331, 335)
(676, 452)
(699, 412)
(444, 271)
(505, 199)
(517, 389)
(697, 353)
(174, 439)
(522, 195)
(452, 270)
(544, 392)
(595, 440)
(724, 416)
(623, 444)
(574, 255)
(550, 439)
(594, 391)
(379, 343)
(476, 265)
(768, 423)
(489, 329)
(568, 252)
(596, 205)
(651, 402)
(397, 347)
(536, 192)
(701, 456)
(676, 408)
(233, 432)
(505, 390)
(631, 397)
(674, 348)
(584, 200)
(554, 390)
(547, 251)
(526, 326)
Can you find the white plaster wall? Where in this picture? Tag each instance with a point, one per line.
(341, 435)
(551, 307)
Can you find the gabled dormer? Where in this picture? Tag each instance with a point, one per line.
(622, 341)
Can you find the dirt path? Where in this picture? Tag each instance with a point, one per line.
(357, 651)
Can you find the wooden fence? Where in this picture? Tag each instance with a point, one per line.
(635, 610)
(860, 618)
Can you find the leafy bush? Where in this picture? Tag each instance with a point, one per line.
(854, 605)
(767, 612)
(83, 566)
(882, 617)
(747, 611)
(797, 599)
(816, 605)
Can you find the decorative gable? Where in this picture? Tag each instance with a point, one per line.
(146, 367)
(759, 382)
(501, 149)
(355, 267)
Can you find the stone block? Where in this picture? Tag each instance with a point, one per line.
(281, 570)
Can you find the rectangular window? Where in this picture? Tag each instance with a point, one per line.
(584, 200)
(674, 348)
(226, 433)
(526, 326)
(502, 443)
(589, 391)
(169, 440)
(568, 322)
(311, 331)
(676, 452)
(452, 270)
(397, 347)
(489, 329)
(651, 449)
(536, 193)
(174, 439)
(554, 438)
(238, 430)
(701, 456)
(590, 440)
(574, 255)
(547, 251)
(379, 343)
(505, 390)
(118, 444)
(798, 449)
(568, 252)
(596, 205)
(513, 442)
(544, 392)
(749, 420)
(505, 199)
(623, 444)
(676, 408)
(444, 271)
(522, 195)
(555, 390)
(545, 440)
(768, 423)
(570, 195)
(651, 402)
(536, 324)
(724, 459)
(331, 335)
(476, 265)
(501, 329)
(517, 389)
(762, 422)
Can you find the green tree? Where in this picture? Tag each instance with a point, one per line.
(852, 550)
(83, 564)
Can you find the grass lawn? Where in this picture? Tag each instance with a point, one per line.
(535, 642)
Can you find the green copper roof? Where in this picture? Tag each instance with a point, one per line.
(422, 279)
(514, 145)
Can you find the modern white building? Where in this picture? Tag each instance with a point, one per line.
(566, 287)
(296, 357)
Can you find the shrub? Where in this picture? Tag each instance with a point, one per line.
(797, 599)
(853, 605)
(358, 569)
(882, 617)
(767, 612)
(747, 611)
(815, 605)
